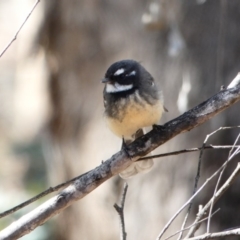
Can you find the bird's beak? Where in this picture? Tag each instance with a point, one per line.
(106, 80)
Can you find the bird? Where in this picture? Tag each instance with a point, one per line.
(132, 102)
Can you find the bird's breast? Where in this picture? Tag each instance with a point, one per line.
(132, 114)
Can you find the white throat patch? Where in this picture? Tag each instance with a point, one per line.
(113, 88)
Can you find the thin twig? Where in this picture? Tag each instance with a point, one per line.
(235, 232)
(215, 191)
(182, 230)
(190, 199)
(186, 204)
(120, 211)
(218, 194)
(40, 195)
(218, 182)
(189, 150)
(194, 188)
(16, 34)
(198, 175)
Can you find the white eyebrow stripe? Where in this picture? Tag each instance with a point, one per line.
(119, 72)
(113, 88)
(132, 73)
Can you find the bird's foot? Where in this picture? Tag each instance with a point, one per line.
(124, 147)
(139, 133)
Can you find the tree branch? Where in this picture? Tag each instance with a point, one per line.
(214, 199)
(120, 211)
(186, 228)
(40, 195)
(67, 183)
(231, 154)
(20, 28)
(121, 160)
(198, 176)
(198, 219)
(235, 232)
(189, 150)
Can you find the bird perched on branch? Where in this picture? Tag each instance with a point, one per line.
(132, 102)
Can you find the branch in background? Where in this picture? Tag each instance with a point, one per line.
(186, 228)
(20, 28)
(120, 211)
(231, 154)
(121, 160)
(186, 204)
(214, 199)
(189, 150)
(198, 176)
(235, 232)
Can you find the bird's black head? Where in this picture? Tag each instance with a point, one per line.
(122, 76)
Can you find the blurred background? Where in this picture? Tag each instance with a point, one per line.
(51, 115)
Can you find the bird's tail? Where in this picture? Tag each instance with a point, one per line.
(137, 167)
